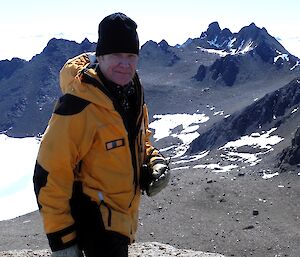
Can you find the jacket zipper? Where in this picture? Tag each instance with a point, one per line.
(131, 134)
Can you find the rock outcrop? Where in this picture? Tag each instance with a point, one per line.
(291, 154)
(135, 250)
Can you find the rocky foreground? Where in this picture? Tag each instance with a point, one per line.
(236, 213)
(152, 249)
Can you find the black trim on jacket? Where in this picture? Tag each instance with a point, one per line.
(69, 105)
(55, 239)
(39, 180)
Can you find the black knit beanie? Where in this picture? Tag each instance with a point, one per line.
(117, 34)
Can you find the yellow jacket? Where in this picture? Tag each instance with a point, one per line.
(86, 128)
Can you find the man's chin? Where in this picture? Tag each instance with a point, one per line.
(122, 81)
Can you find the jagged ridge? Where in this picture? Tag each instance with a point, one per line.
(270, 111)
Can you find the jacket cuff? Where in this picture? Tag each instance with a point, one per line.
(62, 239)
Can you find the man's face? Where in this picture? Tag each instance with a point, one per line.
(118, 67)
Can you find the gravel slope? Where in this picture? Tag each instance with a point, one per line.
(234, 214)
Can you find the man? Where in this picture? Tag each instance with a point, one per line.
(95, 157)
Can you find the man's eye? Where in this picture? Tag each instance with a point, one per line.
(132, 57)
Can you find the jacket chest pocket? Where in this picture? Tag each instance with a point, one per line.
(113, 137)
(115, 147)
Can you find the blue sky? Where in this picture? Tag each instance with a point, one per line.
(27, 26)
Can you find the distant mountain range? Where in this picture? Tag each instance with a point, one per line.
(219, 68)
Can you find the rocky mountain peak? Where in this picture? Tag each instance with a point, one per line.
(159, 53)
(163, 45)
(213, 29)
(52, 46)
(252, 28)
(148, 45)
(8, 68)
(236, 48)
(85, 44)
(214, 37)
(85, 41)
(252, 33)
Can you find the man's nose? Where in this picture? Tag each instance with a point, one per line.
(125, 62)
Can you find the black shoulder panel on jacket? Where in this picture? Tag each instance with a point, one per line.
(70, 104)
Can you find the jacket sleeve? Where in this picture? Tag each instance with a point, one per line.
(66, 140)
(63, 145)
(152, 154)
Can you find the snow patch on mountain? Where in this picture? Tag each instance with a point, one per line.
(263, 141)
(243, 48)
(247, 150)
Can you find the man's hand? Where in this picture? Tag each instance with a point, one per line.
(160, 178)
(72, 251)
